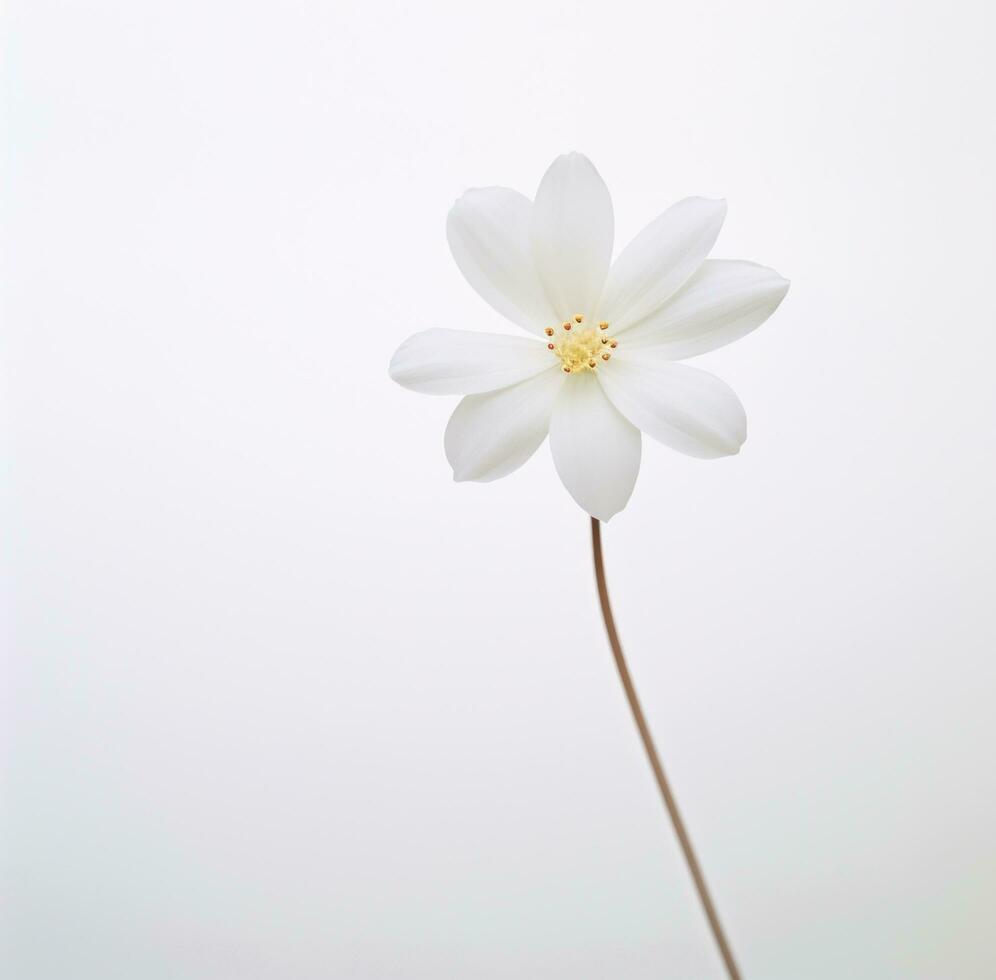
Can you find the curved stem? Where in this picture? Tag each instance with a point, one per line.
(655, 762)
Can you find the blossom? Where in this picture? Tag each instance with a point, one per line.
(601, 364)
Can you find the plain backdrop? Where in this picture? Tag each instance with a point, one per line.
(284, 701)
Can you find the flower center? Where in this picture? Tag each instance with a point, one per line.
(580, 348)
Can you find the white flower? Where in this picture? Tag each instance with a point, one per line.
(607, 335)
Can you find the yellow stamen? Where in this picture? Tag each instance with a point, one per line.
(579, 349)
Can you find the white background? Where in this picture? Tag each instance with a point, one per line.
(289, 703)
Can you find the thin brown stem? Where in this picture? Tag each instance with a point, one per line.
(655, 762)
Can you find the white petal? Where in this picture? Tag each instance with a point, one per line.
(723, 301)
(458, 362)
(572, 229)
(488, 232)
(490, 435)
(685, 408)
(596, 451)
(659, 261)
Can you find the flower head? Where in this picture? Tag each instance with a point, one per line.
(601, 365)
